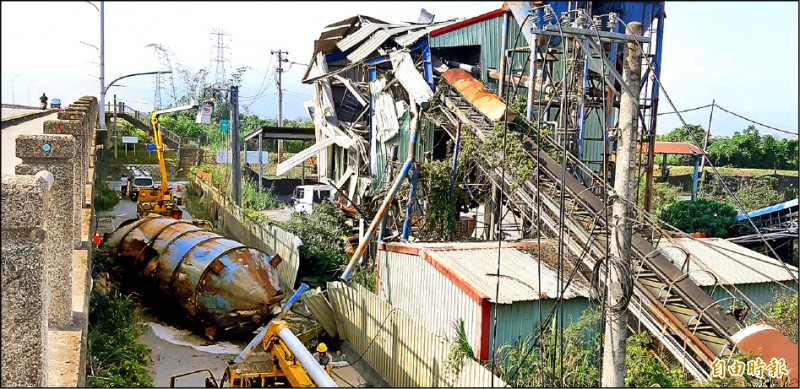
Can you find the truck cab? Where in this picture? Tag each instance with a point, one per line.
(305, 197)
(138, 181)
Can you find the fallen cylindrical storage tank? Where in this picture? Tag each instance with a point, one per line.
(219, 283)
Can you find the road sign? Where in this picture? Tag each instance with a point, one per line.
(224, 125)
(204, 114)
(150, 146)
(130, 139)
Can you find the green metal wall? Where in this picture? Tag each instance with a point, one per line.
(518, 320)
(424, 145)
(487, 34)
(761, 294)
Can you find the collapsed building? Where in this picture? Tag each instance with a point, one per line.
(501, 127)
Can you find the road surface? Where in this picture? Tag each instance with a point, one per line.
(10, 134)
(16, 111)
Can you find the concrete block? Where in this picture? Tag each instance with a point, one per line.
(25, 295)
(72, 115)
(63, 358)
(76, 129)
(55, 154)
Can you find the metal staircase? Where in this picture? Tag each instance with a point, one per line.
(691, 325)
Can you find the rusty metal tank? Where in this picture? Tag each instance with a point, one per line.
(221, 284)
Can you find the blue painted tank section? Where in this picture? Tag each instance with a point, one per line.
(219, 283)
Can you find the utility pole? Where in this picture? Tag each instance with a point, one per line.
(279, 70)
(613, 374)
(116, 137)
(705, 144)
(236, 169)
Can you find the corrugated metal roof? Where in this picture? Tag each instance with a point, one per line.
(413, 36)
(518, 274)
(674, 148)
(363, 33)
(375, 41)
(409, 77)
(466, 22)
(731, 263)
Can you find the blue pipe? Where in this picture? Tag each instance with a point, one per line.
(395, 186)
(377, 60)
(410, 207)
(426, 64)
(253, 343)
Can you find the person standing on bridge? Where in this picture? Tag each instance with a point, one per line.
(43, 101)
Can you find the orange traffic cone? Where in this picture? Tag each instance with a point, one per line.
(179, 187)
(96, 238)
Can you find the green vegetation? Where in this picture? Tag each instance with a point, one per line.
(115, 356)
(323, 233)
(107, 199)
(523, 364)
(440, 221)
(783, 315)
(708, 216)
(459, 350)
(644, 368)
(746, 149)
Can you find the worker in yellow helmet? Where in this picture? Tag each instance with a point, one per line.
(322, 357)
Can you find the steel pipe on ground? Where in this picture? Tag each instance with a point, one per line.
(314, 369)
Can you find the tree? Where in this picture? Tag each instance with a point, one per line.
(691, 133)
(707, 216)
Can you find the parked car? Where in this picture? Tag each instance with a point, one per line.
(305, 197)
(137, 182)
(55, 104)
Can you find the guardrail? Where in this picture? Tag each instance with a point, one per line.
(144, 119)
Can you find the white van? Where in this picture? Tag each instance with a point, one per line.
(305, 196)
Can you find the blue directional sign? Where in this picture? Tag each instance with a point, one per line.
(224, 125)
(150, 146)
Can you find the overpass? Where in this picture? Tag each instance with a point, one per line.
(188, 148)
(46, 248)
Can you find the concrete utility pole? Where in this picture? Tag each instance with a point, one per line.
(705, 144)
(624, 184)
(236, 168)
(279, 70)
(115, 127)
(102, 102)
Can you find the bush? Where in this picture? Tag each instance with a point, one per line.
(783, 315)
(322, 233)
(643, 369)
(107, 199)
(708, 216)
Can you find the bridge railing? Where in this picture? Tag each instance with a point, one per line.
(144, 118)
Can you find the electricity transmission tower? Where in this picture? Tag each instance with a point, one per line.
(219, 60)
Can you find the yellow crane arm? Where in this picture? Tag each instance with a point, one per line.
(158, 140)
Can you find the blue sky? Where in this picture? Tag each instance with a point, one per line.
(743, 54)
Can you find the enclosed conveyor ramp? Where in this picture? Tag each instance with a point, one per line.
(219, 283)
(685, 319)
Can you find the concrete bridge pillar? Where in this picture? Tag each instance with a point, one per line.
(76, 129)
(25, 294)
(55, 154)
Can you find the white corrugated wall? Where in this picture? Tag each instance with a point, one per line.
(411, 284)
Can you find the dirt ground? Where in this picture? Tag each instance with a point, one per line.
(175, 351)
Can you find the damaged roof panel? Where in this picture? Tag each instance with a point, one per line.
(409, 77)
(363, 33)
(298, 158)
(375, 42)
(354, 19)
(413, 36)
